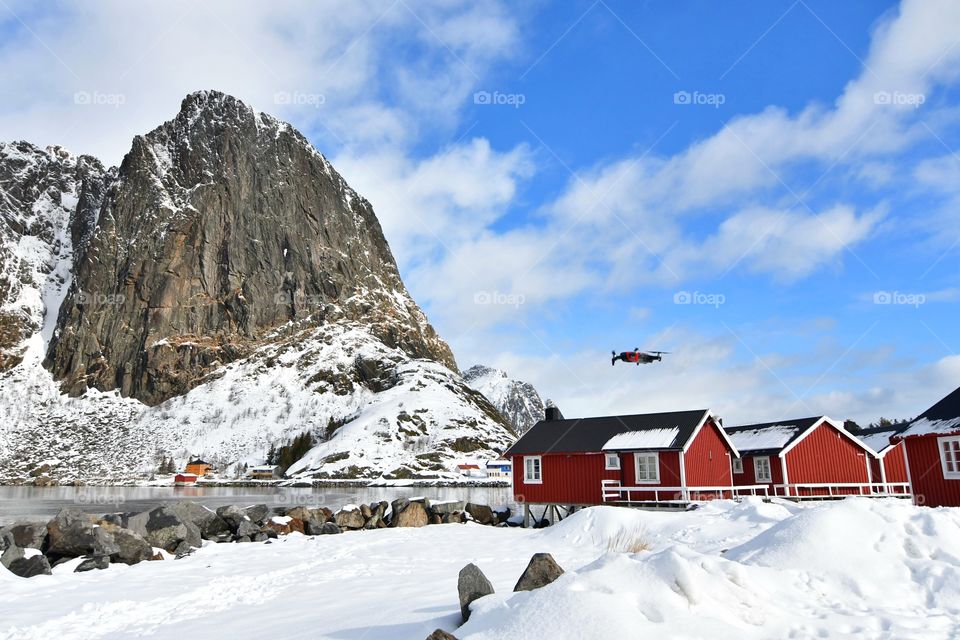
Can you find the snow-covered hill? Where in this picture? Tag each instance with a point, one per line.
(221, 292)
(518, 401)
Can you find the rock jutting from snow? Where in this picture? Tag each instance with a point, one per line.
(541, 571)
(471, 585)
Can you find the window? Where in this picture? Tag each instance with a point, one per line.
(950, 457)
(531, 470)
(647, 467)
(613, 461)
(738, 465)
(761, 470)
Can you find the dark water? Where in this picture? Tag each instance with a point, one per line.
(40, 503)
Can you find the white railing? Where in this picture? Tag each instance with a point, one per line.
(814, 490)
(613, 491)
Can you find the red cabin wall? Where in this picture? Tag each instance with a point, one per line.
(707, 461)
(895, 464)
(568, 478)
(929, 486)
(748, 476)
(827, 456)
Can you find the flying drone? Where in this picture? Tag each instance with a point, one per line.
(637, 356)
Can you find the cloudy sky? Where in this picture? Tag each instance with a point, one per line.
(768, 190)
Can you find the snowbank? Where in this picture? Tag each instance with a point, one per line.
(863, 568)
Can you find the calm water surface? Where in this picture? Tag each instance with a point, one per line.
(40, 503)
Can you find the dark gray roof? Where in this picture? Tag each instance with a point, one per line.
(769, 437)
(582, 435)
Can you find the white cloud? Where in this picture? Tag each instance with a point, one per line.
(152, 54)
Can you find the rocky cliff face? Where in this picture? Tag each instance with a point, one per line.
(48, 200)
(222, 291)
(516, 400)
(222, 225)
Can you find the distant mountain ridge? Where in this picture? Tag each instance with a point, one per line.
(223, 290)
(518, 401)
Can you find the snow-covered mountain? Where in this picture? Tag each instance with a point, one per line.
(222, 291)
(518, 401)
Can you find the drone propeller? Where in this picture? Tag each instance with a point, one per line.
(659, 353)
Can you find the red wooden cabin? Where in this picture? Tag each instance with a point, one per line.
(655, 457)
(932, 444)
(890, 465)
(806, 458)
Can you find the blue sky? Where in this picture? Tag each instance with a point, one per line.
(784, 166)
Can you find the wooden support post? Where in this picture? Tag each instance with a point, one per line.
(526, 515)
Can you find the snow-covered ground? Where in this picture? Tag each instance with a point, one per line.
(857, 568)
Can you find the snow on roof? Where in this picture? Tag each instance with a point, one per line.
(877, 439)
(941, 418)
(646, 439)
(769, 437)
(926, 426)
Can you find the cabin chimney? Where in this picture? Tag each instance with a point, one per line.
(553, 413)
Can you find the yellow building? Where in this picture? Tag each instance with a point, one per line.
(198, 467)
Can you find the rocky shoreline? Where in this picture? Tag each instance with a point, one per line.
(280, 483)
(175, 530)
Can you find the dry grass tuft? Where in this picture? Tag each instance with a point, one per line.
(632, 540)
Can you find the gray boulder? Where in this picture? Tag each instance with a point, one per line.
(451, 506)
(471, 585)
(541, 571)
(258, 512)
(6, 540)
(116, 519)
(208, 522)
(164, 527)
(97, 561)
(350, 518)
(131, 547)
(28, 535)
(72, 533)
(329, 528)
(9, 551)
(481, 513)
(455, 517)
(440, 634)
(27, 567)
(233, 515)
(247, 528)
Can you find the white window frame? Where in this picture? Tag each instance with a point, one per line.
(768, 477)
(656, 467)
(738, 466)
(949, 449)
(532, 463)
(611, 461)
